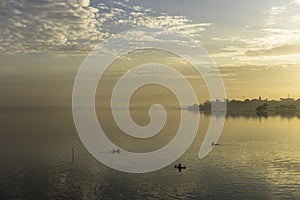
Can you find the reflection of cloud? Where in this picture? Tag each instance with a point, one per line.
(75, 26)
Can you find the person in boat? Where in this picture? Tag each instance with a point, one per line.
(214, 144)
(179, 167)
(115, 150)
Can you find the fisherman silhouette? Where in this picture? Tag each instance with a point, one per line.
(179, 167)
(214, 144)
(115, 151)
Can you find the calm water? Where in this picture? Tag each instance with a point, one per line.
(259, 158)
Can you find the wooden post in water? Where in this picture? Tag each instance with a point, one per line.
(72, 155)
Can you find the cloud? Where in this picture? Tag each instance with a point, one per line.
(137, 16)
(229, 51)
(295, 19)
(76, 26)
(229, 39)
(249, 66)
(272, 13)
(36, 26)
(276, 40)
(234, 71)
(286, 49)
(297, 2)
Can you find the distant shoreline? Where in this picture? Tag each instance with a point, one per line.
(257, 105)
(288, 107)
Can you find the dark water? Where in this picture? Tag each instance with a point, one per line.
(259, 158)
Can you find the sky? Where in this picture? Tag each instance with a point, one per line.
(256, 44)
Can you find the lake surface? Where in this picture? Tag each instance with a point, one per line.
(258, 158)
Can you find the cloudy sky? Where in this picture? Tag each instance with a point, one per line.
(256, 44)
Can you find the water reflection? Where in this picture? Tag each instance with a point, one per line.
(256, 160)
(253, 114)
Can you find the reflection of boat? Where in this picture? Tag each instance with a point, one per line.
(179, 167)
(262, 114)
